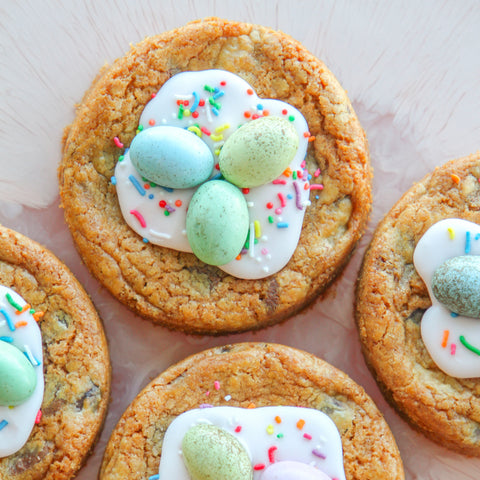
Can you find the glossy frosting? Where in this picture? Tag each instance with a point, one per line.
(218, 103)
(27, 338)
(268, 434)
(452, 340)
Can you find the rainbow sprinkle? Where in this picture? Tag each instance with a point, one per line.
(283, 200)
(38, 417)
(37, 315)
(137, 185)
(446, 333)
(28, 353)
(24, 309)
(298, 201)
(318, 454)
(455, 178)
(271, 452)
(139, 217)
(12, 302)
(258, 228)
(117, 142)
(468, 345)
(467, 242)
(11, 325)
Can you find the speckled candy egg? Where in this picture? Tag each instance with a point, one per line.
(217, 222)
(258, 152)
(211, 453)
(171, 157)
(456, 283)
(17, 376)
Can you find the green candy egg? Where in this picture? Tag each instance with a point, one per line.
(258, 152)
(211, 453)
(17, 376)
(217, 222)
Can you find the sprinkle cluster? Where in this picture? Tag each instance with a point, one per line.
(9, 309)
(285, 197)
(208, 113)
(9, 320)
(274, 429)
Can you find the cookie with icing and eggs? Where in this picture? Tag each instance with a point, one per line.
(49, 432)
(142, 255)
(336, 415)
(414, 310)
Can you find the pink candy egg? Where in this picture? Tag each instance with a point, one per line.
(290, 470)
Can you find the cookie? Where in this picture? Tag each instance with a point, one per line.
(419, 342)
(256, 375)
(72, 387)
(330, 186)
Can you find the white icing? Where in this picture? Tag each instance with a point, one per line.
(256, 439)
(434, 248)
(22, 417)
(275, 244)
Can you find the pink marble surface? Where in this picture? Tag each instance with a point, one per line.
(412, 71)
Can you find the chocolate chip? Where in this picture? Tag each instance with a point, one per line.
(53, 407)
(23, 460)
(211, 275)
(271, 299)
(93, 394)
(62, 318)
(416, 316)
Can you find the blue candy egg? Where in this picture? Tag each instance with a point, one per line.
(456, 283)
(171, 157)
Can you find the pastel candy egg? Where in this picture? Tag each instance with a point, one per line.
(456, 283)
(171, 157)
(258, 152)
(17, 376)
(290, 470)
(217, 222)
(211, 453)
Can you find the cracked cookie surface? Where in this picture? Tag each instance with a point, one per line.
(75, 362)
(262, 374)
(391, 300)
(173, 288)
